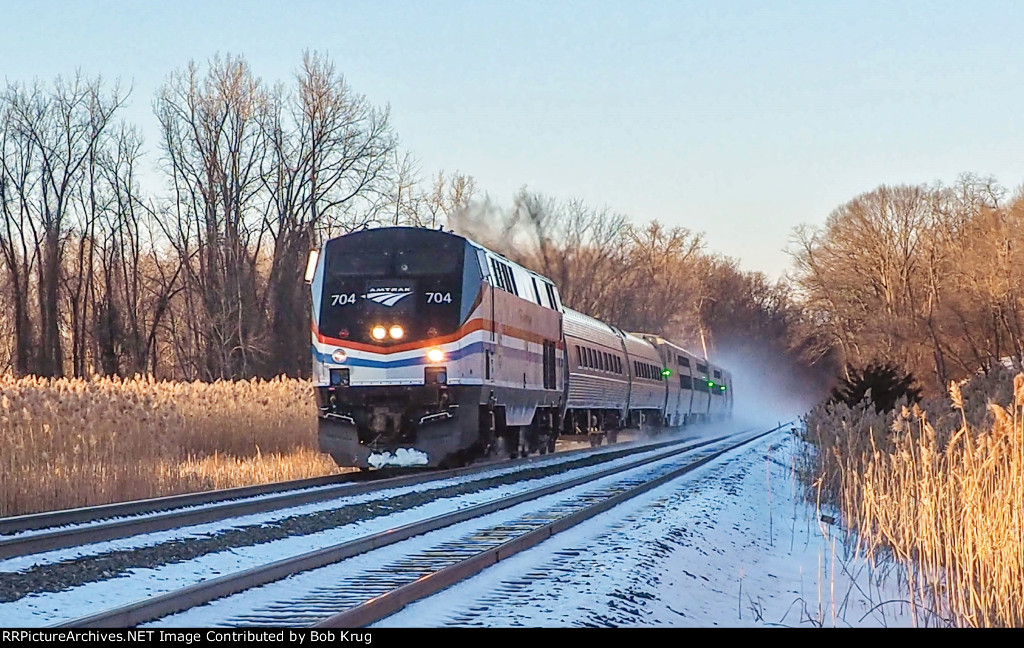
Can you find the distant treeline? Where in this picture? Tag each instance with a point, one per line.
(927, 277)
(185, 260)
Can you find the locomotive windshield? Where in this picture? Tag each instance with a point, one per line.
(395, 277)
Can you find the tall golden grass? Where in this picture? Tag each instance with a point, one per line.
(70, 442)
(945, 500)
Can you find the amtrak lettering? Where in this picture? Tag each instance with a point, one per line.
(387, 296)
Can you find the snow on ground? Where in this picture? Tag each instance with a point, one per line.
(731, 544)
(140, 583)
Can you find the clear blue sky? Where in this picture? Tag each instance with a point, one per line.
(738, 119)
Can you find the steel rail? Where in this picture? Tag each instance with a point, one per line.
(195, 595)
(383, 605)
(217, 510)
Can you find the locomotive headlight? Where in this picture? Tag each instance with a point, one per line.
(435, 355)
(339, 356)
(378, 332)
(396, 332)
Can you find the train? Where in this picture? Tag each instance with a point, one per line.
(429, 349)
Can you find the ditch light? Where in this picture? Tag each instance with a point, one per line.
(314, 256)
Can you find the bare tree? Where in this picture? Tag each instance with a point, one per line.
(329, 169)
(448, 195)
(51, 142)
(214, 147)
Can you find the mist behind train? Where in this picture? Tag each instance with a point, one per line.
(768, 389)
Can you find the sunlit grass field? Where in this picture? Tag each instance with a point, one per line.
(69, 442)
(943, 495)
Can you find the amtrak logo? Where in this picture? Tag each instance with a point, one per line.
(387, 296)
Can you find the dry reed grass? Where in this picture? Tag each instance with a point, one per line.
(945, 497)
(70, 442)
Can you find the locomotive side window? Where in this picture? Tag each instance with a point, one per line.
(511, 279)
(506, 277)
(503, 278)
(718, 374)
(495, 275)
(579, 356)
(551, 295)
(684, 362)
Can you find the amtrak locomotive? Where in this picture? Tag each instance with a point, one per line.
(431, 350)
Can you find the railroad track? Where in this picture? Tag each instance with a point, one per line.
(392, 582)
(30, 534)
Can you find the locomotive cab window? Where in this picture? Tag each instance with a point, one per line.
(408, 279)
